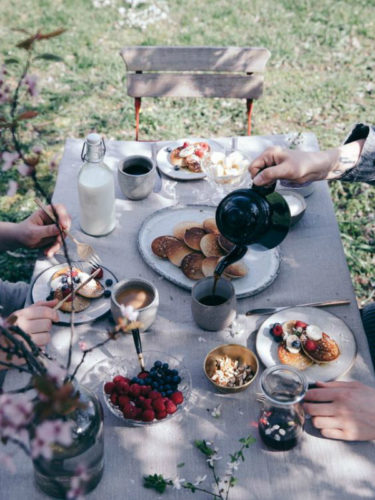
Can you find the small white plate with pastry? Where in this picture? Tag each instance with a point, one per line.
(181, 160)
(91, 301)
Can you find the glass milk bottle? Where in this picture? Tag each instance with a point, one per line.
(96, 189)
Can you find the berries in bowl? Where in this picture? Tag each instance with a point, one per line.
(155, 395)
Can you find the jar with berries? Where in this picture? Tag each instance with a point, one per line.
(282, 417)
(96, 189)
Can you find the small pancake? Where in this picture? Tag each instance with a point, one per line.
(210, 226)
(193, 237)
(209, 265)
(193, 164)
(175, 158)
(225, 244)
(210, 246)
(236, 270)
(160, 245)
(298, 360)
(327, 350)
(80, 303)
(176, 251)
(92, 290)
(192, 266)
(180, 228)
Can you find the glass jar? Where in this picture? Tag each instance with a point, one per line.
(54, 476)
(282, 417)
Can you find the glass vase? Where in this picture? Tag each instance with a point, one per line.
(54, 476)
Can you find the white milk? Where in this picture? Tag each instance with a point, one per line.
(96, 191)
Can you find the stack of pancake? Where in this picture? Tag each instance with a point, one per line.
(197, 248)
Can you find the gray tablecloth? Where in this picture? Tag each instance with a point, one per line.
(313, 268)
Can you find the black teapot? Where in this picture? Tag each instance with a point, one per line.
(256, 217)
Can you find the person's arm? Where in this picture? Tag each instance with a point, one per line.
(35, 232)
(343, 410)
(302, 166)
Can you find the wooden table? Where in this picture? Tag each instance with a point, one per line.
(313, 268)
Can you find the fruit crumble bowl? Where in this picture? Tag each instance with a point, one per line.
(144, 398)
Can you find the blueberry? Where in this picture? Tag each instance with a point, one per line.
(296, 344)
(141, 382)
(177, 167)
(50, 296)
(174, 372)
(64, 279)
(77, 279)
(169, 392)
(165, 366)
(134, 380)
(178, 380)
(108, 282)
(64, 288)
(163, 394)
(168, 387)
(168, 378)
(158, 364)
(147, 380)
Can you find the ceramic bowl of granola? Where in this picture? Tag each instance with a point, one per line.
(231, 367)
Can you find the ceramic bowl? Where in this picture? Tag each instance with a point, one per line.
(297, 204)
(235, 352)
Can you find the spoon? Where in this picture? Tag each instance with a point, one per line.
(138, 348)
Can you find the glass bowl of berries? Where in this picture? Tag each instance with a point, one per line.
(143, 398)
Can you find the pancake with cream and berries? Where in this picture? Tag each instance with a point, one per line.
(190, 155)
(62, 280)
(319, 346)
(290, 350)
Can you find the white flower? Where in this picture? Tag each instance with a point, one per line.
(216, 412)
(56, 372)
(199, 480)
(231, 467)
(9, 160)
(48, 433)
(201, 339)
(212, 459)
(129, 312)
(177, 483)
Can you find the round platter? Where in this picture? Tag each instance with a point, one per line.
(41, 288)
(183, 174)
(335, 327)
(263, 266)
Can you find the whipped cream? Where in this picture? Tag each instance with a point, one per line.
(313, 332)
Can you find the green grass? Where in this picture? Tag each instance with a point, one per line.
(318, 79)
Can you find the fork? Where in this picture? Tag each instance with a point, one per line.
(84, 251)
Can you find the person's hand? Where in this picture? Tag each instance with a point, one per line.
(297, 166)
(39, 231)
(342, 410)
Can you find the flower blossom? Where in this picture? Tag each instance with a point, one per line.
(199, 480)
(178, 483)
(56, 372)
(24, 169)
(212, 459)
(129, 312)
(15, 414)
(48, 433)
(9, 160)
(30, 82)
(231, 467)
(12, 188)
(77, 484)
(7, 462)
(216, 412)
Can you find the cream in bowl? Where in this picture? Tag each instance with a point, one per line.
(297, 204)
(141, 294)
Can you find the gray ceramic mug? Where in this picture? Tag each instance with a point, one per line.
(147, 314)
(213, 317)
(136, 176)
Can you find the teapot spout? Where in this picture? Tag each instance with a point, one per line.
(233, 256)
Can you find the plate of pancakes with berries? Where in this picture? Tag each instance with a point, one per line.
(91, 300)
(183, 244)
(182, 160)
(310, 339)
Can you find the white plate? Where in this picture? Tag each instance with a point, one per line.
(334, 327)
(263, 266)
(41, 288)
(183, 174)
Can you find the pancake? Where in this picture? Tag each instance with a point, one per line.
(193, 237)
(210, 246)
(298, 360)
(180, 228)
(225, 244)
(92, 290)
(209, 265)
(80, 303)
(175, 157)
(176, 251)
(210, 226)
(160, 245)
(327, 350)
(192, 266)
(236, 270)
(193, 163)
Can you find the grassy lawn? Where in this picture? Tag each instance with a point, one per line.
(319, 79)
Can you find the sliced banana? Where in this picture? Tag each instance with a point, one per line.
(289, 344)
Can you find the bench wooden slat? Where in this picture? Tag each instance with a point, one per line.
(195, 85)
(221, 59)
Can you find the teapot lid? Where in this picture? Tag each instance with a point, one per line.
(254, 216)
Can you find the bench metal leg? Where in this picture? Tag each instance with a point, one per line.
(137, 104)
(249, 108)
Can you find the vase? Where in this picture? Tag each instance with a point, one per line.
(54, 476)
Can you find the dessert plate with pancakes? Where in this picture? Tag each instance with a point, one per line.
(312, 340)
(180, 160)
(90, 302)
(183, 244)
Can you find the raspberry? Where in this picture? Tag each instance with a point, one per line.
(123, 401)
(148, 416)
(146, 389)
(170, 407)
(300, 324)
(119, 378)
(138, 413)
(109, 387)
(143, 375)
(161, 414)
(199, 153)
(99, 276)
(310, 345)
(135, 390)
(177, 397)
(122, 387)
(154, 395)
(277, 330)
(204, 145)
(129, 412)
(114, 398)
(185, 145)
(66, 292)
(158, 405)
